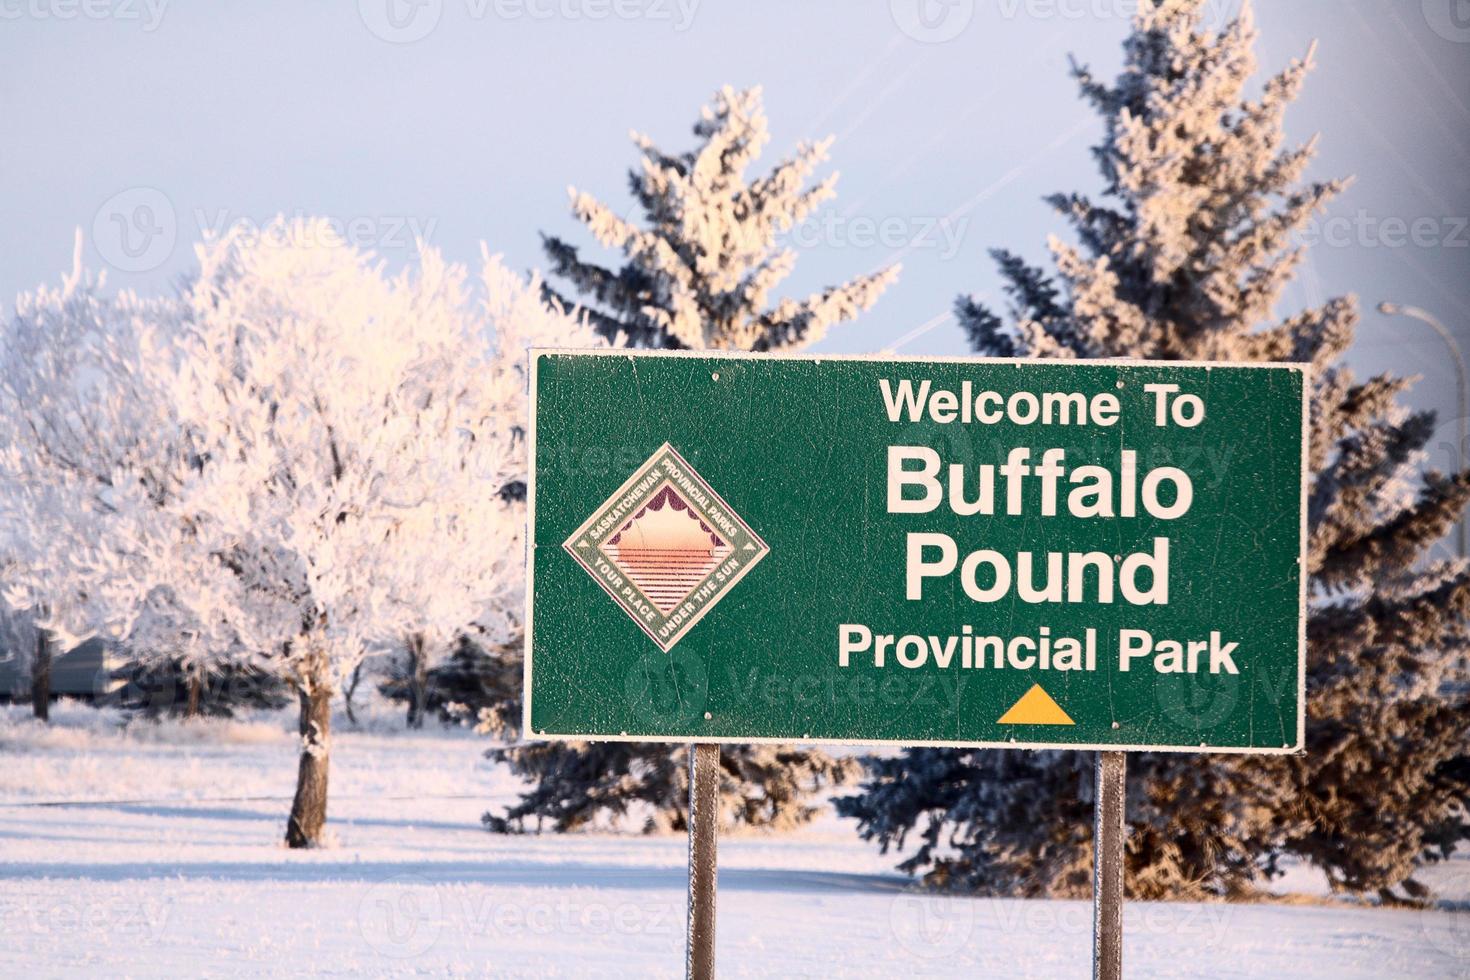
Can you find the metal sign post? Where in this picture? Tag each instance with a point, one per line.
(704, 830)
(1107, 866)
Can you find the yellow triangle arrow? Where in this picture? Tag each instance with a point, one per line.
(1035, 708)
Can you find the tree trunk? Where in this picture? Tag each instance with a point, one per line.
(195, 682)
(309, 809)
(351, 692)
(418, 682)
(41, 676)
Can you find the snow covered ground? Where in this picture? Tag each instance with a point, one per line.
(175, 867)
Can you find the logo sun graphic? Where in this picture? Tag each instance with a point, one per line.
(666, 547)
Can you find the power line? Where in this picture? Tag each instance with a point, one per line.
(919, 331)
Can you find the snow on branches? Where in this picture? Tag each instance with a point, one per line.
(85, 432)
(300, 458)
(698, 276)
(701, 269)
(1186, 255)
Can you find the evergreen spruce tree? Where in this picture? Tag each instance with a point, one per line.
(579, 784)
(698, 274)
(1186, 258)
(478, 683)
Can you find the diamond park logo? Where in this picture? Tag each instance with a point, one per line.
(666, 547)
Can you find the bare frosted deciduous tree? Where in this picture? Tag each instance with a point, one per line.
(321, 469)
(475, 586)
(355, 456)
(1186, 256)
(700, 269)
(79, 422)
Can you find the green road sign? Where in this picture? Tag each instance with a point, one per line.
(1081, 554)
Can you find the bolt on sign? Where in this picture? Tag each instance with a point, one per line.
(1078, 554)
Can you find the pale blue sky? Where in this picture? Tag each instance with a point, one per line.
(470, 124)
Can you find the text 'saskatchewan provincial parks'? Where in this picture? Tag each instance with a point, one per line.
(948, 552)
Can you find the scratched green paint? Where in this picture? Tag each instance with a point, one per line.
(797, 449)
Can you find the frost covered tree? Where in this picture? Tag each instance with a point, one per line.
(77, 418)
(362, 453)
(700, 270)
(584, 785)
(477, 592)
(1186, 256)
(698, 276)
(340, 487)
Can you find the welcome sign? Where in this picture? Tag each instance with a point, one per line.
(924, 552)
